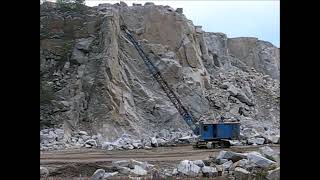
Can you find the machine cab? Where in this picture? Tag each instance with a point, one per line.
(219, 130)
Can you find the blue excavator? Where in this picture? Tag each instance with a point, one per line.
(212, 134)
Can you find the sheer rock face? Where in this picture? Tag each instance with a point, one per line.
(92, 77)
(261, 55)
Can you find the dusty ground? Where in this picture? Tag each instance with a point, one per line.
(72, 164)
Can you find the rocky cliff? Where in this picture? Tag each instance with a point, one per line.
(93, 79)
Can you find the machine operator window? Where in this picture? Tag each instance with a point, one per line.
(205, 128)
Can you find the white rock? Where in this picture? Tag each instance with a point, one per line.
(110, 148)
(85, 137)
(230, 156)
(258, 141)
(187, 139)
(219, 168)
(130, 147)
(108, 175)
(105, 145)
(227, 165)
(243, 163)
(274, 139)
(91, 142)
(144, 165)
(82, 133)
(269, 153)
(154, 142)
(174, 171)
(59, 133)
(259, 160)
(235, 143)
(209, 171)
(188, 168)
(199, 163)
(98, 174)
(124, 170)
(147, 147)
(240, 173)
(80, 140)
(221, 161)
(137, 145)
(87, 146)
(161, 142)
(139, 171)
(121, 163)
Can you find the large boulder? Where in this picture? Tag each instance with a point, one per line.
(154, 142)
(121, 163)
(272, 138)
(199, 163)
(109, 175)
(161, 142)
(144, 165)
(123, 170)
(269, 153)
(229, 155)
(241, 174)
(227, 165)
(221, 161)
(209, 171)
(186, 167)
(98, 174)
(137, 145)
(175, 172)
(256, 141)
(91, 143)
(138, 170)
(259, 160)
(243, 163)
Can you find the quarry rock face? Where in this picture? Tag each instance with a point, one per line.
(93, 79)
(261, 55)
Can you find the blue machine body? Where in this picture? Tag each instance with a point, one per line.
(217, 131)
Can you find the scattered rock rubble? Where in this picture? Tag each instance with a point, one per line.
(240, 166)
(53, 139)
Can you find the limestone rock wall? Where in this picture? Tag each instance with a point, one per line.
(92, 77)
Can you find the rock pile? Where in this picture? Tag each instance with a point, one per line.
(241, 166)
(238, 165)
(163, 138)
(53, 139)
(124, 168)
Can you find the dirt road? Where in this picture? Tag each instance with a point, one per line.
(84, 162)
